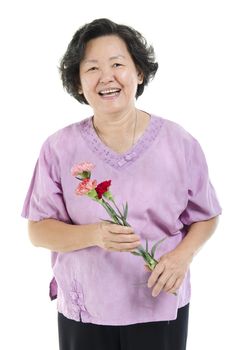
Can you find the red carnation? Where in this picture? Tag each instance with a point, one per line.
(102, 188)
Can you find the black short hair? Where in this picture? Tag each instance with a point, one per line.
(141, 53)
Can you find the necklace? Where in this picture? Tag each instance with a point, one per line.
(133, 139)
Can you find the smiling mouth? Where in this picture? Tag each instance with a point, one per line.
(109, 92)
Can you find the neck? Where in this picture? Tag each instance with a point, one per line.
(108, 125)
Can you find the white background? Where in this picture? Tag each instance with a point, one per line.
(192, 41)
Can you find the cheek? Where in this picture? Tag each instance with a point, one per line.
(87, 85)
(126, 77)
(130, 81)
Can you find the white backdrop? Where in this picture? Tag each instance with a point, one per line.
(192, 41)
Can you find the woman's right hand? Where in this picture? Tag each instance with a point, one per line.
(115, 237)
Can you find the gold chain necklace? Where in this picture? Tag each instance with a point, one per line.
(133, 140)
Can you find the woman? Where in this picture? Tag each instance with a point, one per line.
(105, 297)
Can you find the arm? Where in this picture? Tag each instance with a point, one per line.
(198, 234)
(61, 237)
(169, 273)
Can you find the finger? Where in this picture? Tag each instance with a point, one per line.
(147, 268)
(120, 229)
(124, 246)
(170, 283)
(176, 286)
(124, 238)
(136, 244)
(158, 270)
(161, 282)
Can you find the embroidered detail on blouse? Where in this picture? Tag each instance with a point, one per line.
(77, 299)
(113, 158)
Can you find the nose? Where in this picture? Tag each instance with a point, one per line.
(106, 76)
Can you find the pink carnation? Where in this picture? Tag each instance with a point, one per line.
(79, 168)
(85, 186)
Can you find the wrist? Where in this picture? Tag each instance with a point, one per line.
(186, 251)
(95, 233)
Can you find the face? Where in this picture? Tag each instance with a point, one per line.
(108, 76)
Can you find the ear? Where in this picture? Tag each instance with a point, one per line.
(79, 88)
(140, 77)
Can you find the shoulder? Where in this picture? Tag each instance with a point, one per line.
(175, 137)
(69, 131)
(175, 130)
(63, 137)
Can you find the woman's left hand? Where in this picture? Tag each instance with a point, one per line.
(169, 273)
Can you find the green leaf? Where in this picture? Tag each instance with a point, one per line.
(146, 245)
(119, 216)
(111, 212)
(153, 250)
(135, 253)
(141, 249)
(126, 211)
(143, 253)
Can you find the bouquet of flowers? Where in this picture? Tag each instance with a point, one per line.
(101, 194)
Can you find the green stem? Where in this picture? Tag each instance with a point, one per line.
(151, 262)
(122, 217)
(111, 212)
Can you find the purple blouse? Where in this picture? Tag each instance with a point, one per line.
(163, 177)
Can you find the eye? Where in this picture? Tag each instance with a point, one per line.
(115, 65)
(92, 69)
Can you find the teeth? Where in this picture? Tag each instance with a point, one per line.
(109, 91)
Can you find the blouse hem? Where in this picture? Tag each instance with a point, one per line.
(120, 322)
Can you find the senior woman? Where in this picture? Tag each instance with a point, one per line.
(106, 299)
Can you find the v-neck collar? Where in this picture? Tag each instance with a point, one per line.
(113, 158)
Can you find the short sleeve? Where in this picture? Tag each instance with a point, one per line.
(202, 199)
(44, 199)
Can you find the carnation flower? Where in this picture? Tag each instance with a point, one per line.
(85, 186)
(102, 188)
(82, 169)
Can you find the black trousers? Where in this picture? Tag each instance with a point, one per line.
(163, 335)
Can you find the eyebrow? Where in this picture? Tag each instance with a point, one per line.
(111, 59)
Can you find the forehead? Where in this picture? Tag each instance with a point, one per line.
(108, 45)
